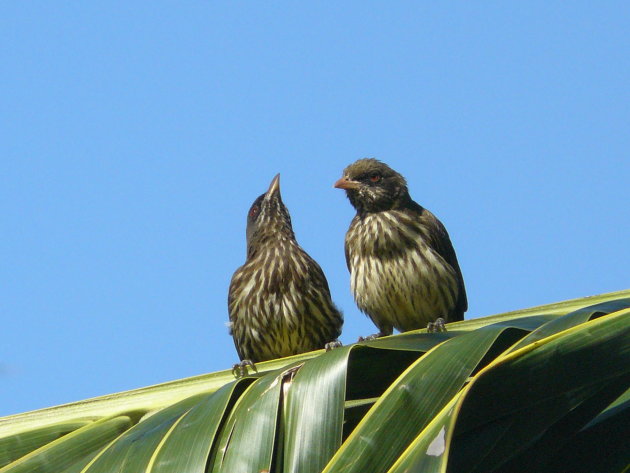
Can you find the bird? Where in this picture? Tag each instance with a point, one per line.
(404, 272)
(279, 302)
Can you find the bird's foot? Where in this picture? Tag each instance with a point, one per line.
(332, 345)
(437, 326)
(374, 336)
(240, 369)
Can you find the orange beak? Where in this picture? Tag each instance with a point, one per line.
(345, 183)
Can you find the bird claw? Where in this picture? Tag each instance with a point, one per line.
(332, 345)
(240, 369)
(437, 326)
(374, 336)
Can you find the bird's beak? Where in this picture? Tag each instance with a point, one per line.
(274, 187)
(345, 183)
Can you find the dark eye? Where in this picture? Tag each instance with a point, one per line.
(254, 211)
(375, 177)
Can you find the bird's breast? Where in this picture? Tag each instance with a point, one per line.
(280, 305)
(396, 276)
(385, 234)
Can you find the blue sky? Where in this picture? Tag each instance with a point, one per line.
(136, 135)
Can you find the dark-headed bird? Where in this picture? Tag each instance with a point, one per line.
(403, 268)
(279, 302)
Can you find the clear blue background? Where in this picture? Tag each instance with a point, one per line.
(136, 135)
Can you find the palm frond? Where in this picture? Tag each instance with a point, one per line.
(529, 390)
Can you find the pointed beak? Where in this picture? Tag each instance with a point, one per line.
(274, 187)
(345, 183)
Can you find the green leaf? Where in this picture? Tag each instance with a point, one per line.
(539, 452)
(499, 419)
(314, 412)
(487, 396)
(416, 397)
(324, 386)
(248, 438)
(151, 398)
(429, 450)
(573, 319)
(195, 432)
(510, 402)
(71, 448)
(133, 450)
(17, 445)
(601, 446)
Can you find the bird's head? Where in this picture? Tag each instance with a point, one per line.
(268, 218)
(373, 186)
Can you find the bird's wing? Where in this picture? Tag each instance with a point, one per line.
(319, 293)
(441, 243)
(232, 311)
(317, 275)
(346, 246)
(231, 293)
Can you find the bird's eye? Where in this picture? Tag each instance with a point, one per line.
(375, 177)
(254, 211)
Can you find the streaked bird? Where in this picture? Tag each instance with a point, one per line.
(403, 270)
(279, 301)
